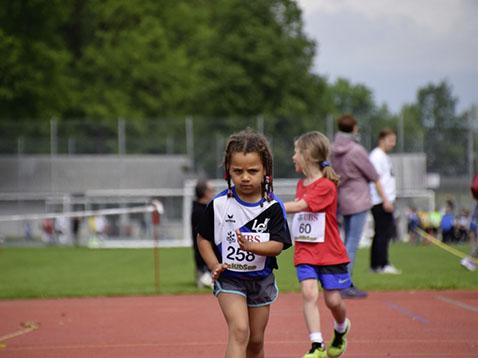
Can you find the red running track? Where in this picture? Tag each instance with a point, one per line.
(441, 324)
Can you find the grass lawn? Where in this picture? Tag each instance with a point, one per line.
(69, 272)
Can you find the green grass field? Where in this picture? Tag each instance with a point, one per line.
(70, 272)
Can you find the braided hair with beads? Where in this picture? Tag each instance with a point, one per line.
(249, 141)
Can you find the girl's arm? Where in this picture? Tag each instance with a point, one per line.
(207, 253)
(269, 248)
(295, 206)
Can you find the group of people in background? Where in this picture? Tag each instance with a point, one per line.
(448, 226)
(53, 230)
(238, 233)
(366, 183)
(57, 230)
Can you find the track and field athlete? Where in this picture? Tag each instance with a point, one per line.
(319, 254)
(241, 232)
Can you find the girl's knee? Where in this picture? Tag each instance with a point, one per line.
(255, 346)
(240, 334)
(333, 300)
(310, 295)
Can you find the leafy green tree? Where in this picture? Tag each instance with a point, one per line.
(129, 68)
(35, 81)
(226, 63)
(356, 99)
(257, 61)
(445, 130)
(412, 129)
(379, 118)
(349, 98)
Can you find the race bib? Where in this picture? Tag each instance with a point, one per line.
(308, 227)
(239, 260)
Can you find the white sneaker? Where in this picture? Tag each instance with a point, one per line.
(205, 280)
(469, 264)
(392, 270)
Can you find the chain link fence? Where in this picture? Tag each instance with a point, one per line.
(202, 139)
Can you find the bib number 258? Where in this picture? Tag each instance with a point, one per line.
(236, 254)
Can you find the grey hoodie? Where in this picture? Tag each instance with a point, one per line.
(350, 160)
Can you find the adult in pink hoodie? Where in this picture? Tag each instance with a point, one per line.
(350, 160)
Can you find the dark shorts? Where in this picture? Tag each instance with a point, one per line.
(334, 277)
(258, 291)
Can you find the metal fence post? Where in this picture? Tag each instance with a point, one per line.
(53, 136)
(53, 150)
(401, 134)
(190, 141)
(260, 124)
(330, 126)
(121, 137)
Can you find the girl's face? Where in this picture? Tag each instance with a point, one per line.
(299, 161)
(247, 172)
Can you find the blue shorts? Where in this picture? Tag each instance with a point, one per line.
(334, 277)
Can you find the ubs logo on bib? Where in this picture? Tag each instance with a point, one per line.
(260, 227)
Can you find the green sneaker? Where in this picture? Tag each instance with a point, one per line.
(339, 343)
(316, 351)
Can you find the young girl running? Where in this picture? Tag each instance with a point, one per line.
(241, 232)
(319, 252)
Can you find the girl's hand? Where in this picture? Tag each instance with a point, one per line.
(244, 244)
(217, 270)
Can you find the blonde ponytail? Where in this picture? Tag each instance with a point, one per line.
(315, 147)
(330, 174)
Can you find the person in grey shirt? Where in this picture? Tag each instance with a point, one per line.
(351, 161)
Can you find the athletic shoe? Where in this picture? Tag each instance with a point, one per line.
(392, 270)
(316, 351)
(339, 343)
(468, 264)
(205, 280)
(353, 292)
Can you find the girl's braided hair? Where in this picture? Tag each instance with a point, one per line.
(249, 141)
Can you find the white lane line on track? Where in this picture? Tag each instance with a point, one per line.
(457, 303)
(406, 312)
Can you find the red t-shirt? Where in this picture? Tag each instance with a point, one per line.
(321, 197)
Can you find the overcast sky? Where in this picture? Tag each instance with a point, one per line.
(396, 46)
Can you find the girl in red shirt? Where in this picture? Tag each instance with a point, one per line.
(319, 252)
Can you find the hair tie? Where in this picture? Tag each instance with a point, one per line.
(324, 163)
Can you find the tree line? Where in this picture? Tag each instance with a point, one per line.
(226, 64)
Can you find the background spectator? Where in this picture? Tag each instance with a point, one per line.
(204, 194)
(382, 211)
(350, 160)
(447, 223)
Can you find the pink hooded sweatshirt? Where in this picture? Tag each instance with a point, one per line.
(350, 160)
